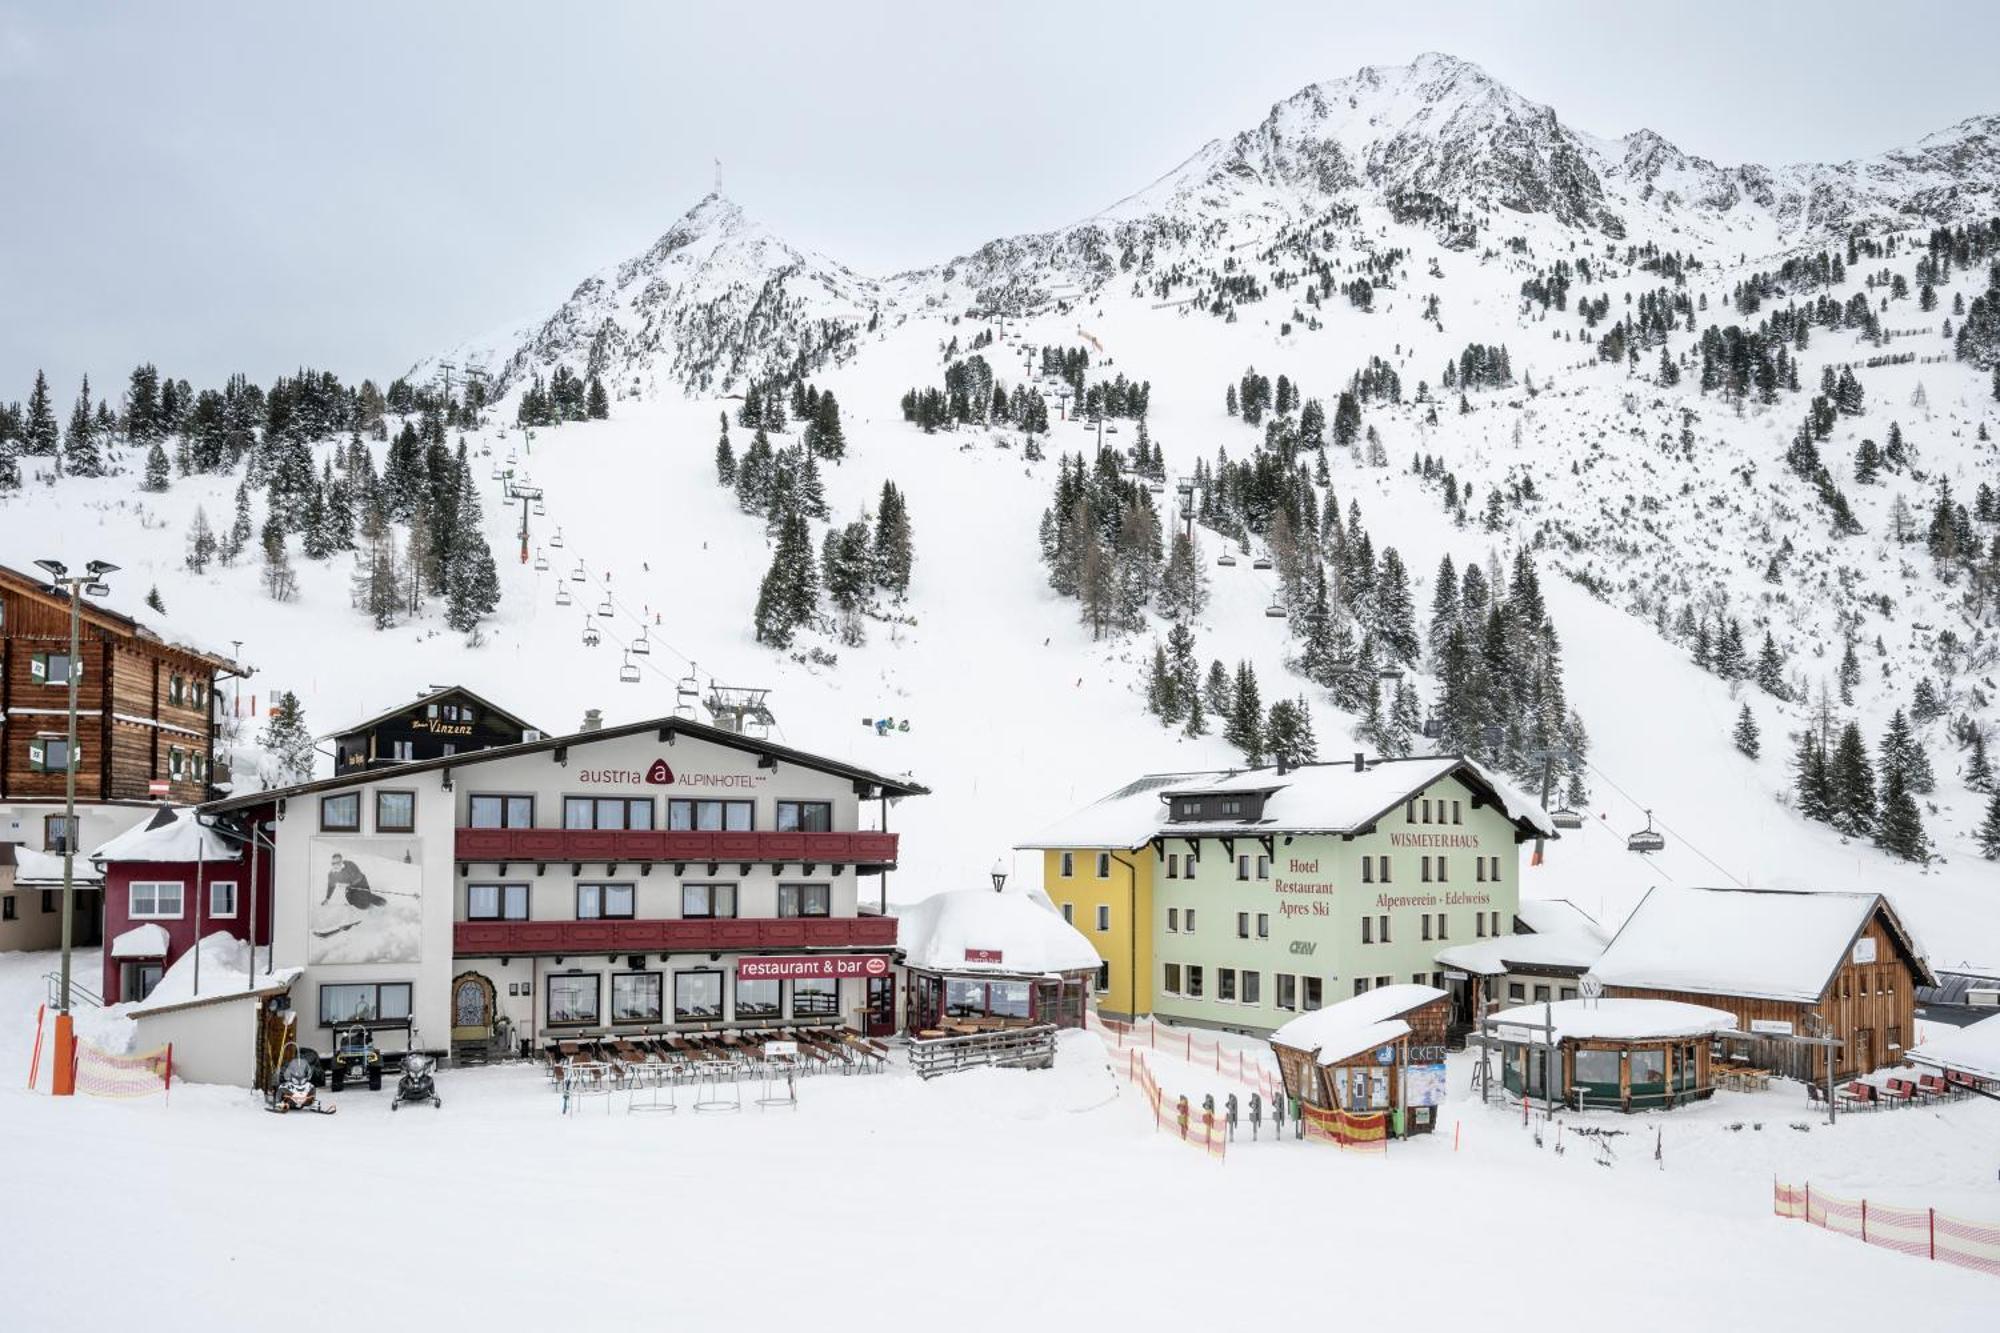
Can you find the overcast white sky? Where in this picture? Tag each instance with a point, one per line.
(257, 186)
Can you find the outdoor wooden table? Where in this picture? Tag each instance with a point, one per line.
(930, 1034)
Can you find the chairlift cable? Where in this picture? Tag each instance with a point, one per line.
(1664, 827)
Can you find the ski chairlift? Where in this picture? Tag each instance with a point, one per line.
(590, 635)
(576, 575)
(1646, 839)
(539, 511)
(605, 608)
(1433, 727)
(1566, 818)
(639, 645)
(629, 673)
(499, 474)
(687, 693)
(1158, 488)
(541, 563)
(511, 458)
(556, 541)
(562, 595)
(1261, 562)
(1226, 560)
(1275, 611)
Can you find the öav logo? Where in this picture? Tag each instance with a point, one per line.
(659, 775)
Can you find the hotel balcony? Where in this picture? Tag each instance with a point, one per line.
(485, 938)
(866, 853)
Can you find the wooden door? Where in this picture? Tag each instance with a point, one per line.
(471, 1007)
(881, 1020)
(1864, 1050)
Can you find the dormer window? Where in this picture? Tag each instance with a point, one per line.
(1232, 807)
(1186, 809)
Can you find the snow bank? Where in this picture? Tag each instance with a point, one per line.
(1612, 1020)
(1973, 1050)
(944, 932)
(225, 964)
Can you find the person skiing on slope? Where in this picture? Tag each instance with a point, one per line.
(344, 877)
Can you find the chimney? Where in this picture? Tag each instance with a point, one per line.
(593, 720)
(1360, 762)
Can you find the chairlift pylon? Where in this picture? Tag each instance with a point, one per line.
(1646, 839)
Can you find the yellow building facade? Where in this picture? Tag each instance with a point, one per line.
(1107, 894)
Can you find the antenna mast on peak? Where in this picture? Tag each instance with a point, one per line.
(718, 178)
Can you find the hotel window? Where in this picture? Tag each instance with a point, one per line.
(55, 830)
(1410, 811)
(1288, 991)
(50, 754)
(1174, 920)
(1417, 978)
(805, 900)
(1494, 929)
(496, 902)
(1188, 866)
(403, 751)
(176, 688)
(1104, 865)
(697, 996)
(1194, 981)
(1367, 930)
(1173, 865)
(1170, 979)
(710, 816)
(1225, 984)
(1243, 866)
(176, 762)
(758, 999)
(1068, 864)
(1103, 978)
(52, 669)
(805, 816)
(607, 812)
(1242, 925)
(1541, 993)
(1232, 807)
(1444, 871)
(1427, 925)
(49, 897)
(1479, 869)
(1263, 925)
(1516, 991)
(636, 997)
(1424, 869)
(395, 812)
(1367, 870)
(150, 900)
(1455, 817)
(340, 814)
(8, 912)
(1382, 869)
(603, 902)
(1382, 929)
(365, 1002)
(708, 901)
(1253, 988)
(222, 898)
(1263, 867)
(571, 998)
(1444, 926)
(500, 811)
(1427, 809)
(1103, 916)
(1384, 981)
(1361, 985)
(1187, 920)
(1315, 993)
(1069, 913)
(1568, 992)
(815, 997)
(1494, 873)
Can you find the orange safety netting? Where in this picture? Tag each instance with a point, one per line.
(103, 1074)
(1203, 1129)
(1922, 1232)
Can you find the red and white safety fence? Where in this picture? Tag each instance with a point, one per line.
(1923, 1232)
(1244, 1059)
(1173, 1115)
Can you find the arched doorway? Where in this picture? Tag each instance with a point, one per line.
(472, 1009)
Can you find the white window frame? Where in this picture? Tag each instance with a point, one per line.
(217, 913)
(154, 911)
(1104, 865)
(1103, 917)
(1069, 865)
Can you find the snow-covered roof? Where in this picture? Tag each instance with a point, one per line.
(1312, 798)
(171, 835)
(145, 940)
(1973, 1050)
(1570, 949)
(1759, 943)
(226, 965)
(1552, 916)
(1006, 934)
(1612, 1020)
(45, 869)
(1355, 1024)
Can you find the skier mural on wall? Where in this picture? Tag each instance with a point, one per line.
(367, 903)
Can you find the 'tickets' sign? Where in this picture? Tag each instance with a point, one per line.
(982, 955)
(811, 967)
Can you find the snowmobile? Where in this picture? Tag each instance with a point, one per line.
(418, 1082)
(293, 1090)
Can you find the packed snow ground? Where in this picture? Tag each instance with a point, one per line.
(987, 1200)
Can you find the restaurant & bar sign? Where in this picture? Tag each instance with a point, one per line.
(812, 967)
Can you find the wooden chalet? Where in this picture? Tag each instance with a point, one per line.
(447, 721)
(1785, 964)
(1380, 1051)
(145, 706)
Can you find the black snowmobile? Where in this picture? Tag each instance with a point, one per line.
(294, 1089)
(418, 1082)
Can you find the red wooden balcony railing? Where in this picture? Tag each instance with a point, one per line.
(474, 938)
(554, 844)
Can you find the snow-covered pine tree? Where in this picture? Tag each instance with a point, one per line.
(1902, 756)
(10, 464)
(200, 542)
(1245, 728)
(1745, 735)
(597, 405)
(288, 741)
(280, 583)
(1184, 583)
(1288, 733)
(725, 459)
(40, 435)
(1853, 780)
(846, 558)
(155, 601)
(1978, 768)
(1901, 829)
(1812, 782)
(829, 439)
(895, 553)
(1771, 669)
(81, 456)
(1216, 691)
(1394, 615)
(1988, 835)
(1162, 693)
(159, 471)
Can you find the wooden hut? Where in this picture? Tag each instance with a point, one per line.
(1379, 1051)
(1785, 964)
(980, 961)
(1628, 1055)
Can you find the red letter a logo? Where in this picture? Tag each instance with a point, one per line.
(659, 775)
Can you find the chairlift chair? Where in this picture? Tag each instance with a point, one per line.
(541, 563)
(1275, 611)
(687, 693)
(629, 673)
(1261, 562)
(639, 645)
(556, 541)
(539, 511)
(590, 635)
(576, 575)
(562, 595)
(1566, 818)
(1646, 839)
(1226, 560)
(605, 609)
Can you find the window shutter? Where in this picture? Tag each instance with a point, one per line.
(38, 666)
(37, 756)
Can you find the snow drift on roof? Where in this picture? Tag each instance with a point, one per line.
(1973, 1050)
(1758, 943)
(1612, 1020)
(226, 964)
(1030, 939)
(173, 834)
(146, 940)
(1551, 916)
(1127, 818)
(1491, 957)
(33, 868)
(1340, 1030)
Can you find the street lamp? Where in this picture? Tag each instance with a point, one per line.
(90, 581)
(999, 873)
